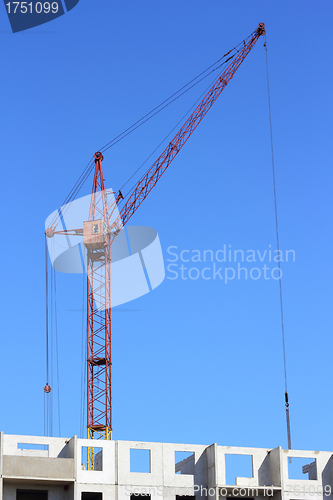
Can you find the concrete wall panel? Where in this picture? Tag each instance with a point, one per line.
(38, 467)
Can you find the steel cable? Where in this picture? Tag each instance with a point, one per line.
(88, 169)
(286, 395)
(57, 350)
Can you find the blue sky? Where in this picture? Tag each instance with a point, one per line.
(195, 360)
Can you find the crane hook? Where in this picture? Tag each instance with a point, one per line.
(47, 388)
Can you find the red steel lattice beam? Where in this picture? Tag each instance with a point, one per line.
(99, 392)
(150, 179)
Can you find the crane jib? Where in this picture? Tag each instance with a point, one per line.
(144, 186)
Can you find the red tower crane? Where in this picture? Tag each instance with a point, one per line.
(99, 233)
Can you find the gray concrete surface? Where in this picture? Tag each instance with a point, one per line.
(56, 466)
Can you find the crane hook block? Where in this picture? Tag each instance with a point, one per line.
(47, 388)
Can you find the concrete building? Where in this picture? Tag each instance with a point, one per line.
(40, 468)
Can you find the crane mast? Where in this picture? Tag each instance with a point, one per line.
(98, 245)
(98, 235)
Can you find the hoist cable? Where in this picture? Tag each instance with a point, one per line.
(51, 361)
(74, 191)
(44, 414)
(177, 124)
(51, 338)
(46, 399)
(286, 395)
(152, 112)
(159, 108)
(47, 313)
(57, 350)
(81, 179)
(83, 362)
(88, 169)
(173, 97)
(85, 174)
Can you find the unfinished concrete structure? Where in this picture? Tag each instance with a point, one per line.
(54, 470)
